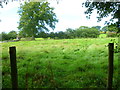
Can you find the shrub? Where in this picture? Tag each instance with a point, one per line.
(111, 34)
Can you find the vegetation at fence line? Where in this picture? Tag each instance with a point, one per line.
(64, 63)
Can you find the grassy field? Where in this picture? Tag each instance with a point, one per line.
(67, 63)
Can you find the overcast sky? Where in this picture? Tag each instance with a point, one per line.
(69, 12)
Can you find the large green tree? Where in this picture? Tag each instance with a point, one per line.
(104, 9)
(36, 17)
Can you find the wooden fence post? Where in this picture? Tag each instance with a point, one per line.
(14, 78)
(110, 66)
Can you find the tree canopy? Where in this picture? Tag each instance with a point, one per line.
(104, 9)
(112, 28)
(36, 17)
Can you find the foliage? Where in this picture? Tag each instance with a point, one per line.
(70, 33)
(21, 34)
(112, 28)
(87, 32)
(97, 27)
(111, 34)
(62, 35)
(104, 9)
(36, 17)
(8, 36)
(81, 32)
(4, 36)
(52, 35)
(12, 34)
(104, 29)
(42, 34)
(65, 63)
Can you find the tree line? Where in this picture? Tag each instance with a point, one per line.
(81, 32)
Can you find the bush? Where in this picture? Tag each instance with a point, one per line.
(111, 34)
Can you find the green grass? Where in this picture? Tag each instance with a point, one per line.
(103, 35)
(67, 63)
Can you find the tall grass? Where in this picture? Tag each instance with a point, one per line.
(67, 63)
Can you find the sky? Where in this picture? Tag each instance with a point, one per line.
(70, 14)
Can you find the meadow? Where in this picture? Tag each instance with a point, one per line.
(64, 63)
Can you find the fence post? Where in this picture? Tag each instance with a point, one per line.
(14, 78)
(110, 66)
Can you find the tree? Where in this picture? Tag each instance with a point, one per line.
(104, 9)
(112, 28)
(4, 36)
(42, 34)
(97, 27)
(7, 36)
(1, 4)
(7, 1)
(12, 34)
(36, 17)
(52, 35)
(70, 33)
(104, 29)
(21, 34)
(61, 35)
(83, 27)
(87, 32)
